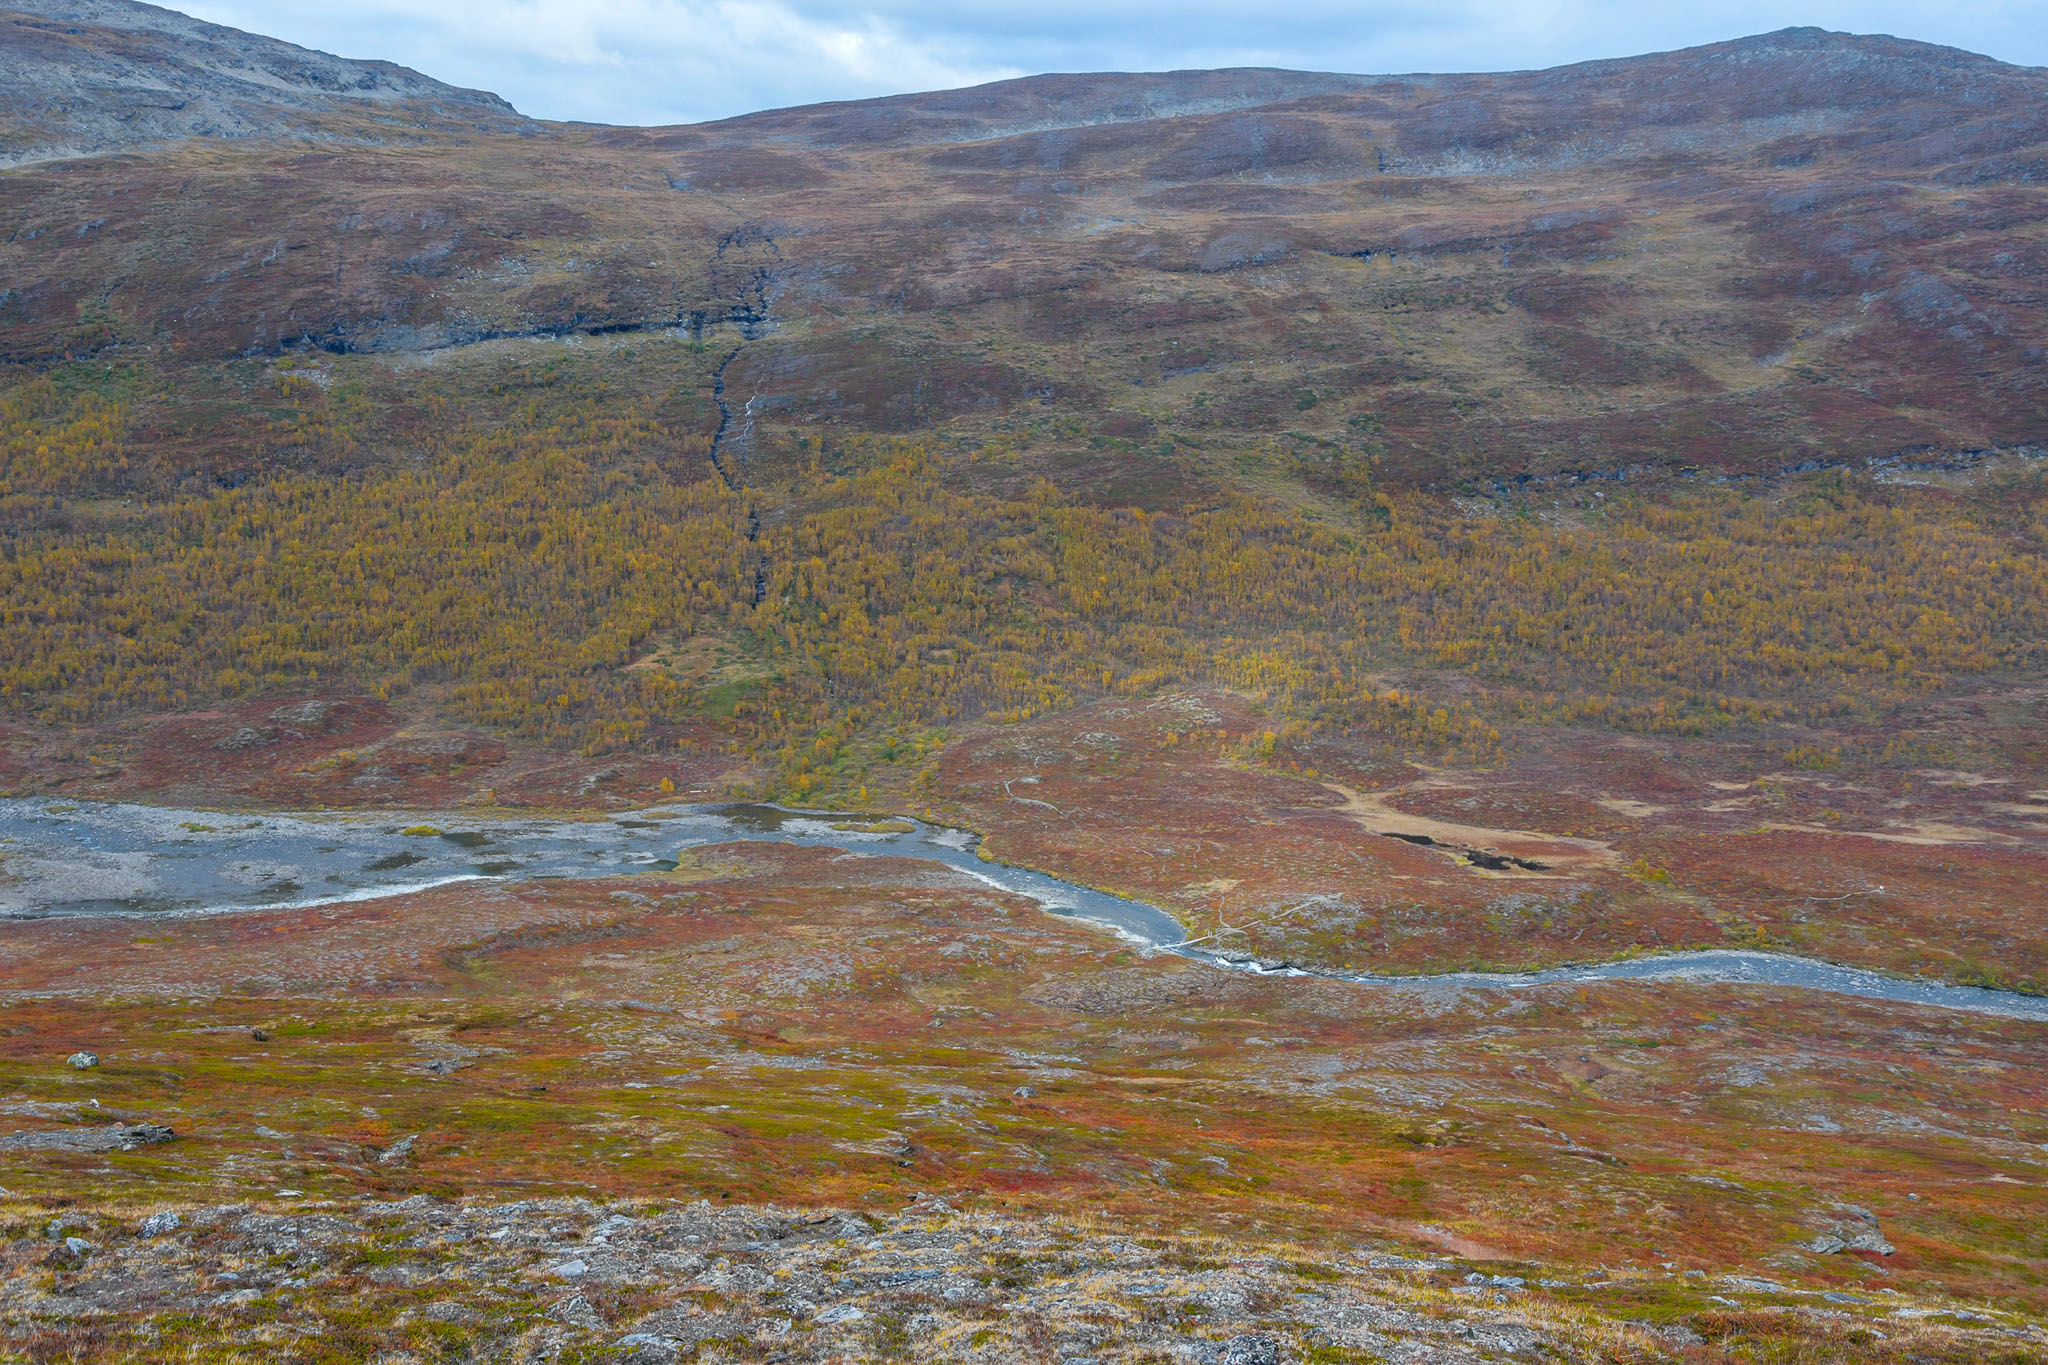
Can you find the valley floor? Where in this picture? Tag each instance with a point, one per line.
(877, 1085)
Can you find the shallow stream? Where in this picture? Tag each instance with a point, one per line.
(96, 858)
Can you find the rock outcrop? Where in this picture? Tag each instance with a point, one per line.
(87, 77)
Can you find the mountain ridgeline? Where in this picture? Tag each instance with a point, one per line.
(1752, 255)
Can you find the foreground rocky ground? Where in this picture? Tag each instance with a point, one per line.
(577, 1280)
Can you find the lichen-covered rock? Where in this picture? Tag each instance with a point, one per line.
(1847, 1227)
(116, 1137)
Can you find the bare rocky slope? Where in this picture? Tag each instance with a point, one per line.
(87, 77)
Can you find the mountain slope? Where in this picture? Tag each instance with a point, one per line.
(87, 77)
(1761, 254)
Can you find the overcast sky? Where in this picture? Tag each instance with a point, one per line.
(679, 61)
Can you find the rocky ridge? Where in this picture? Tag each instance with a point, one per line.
(92, 77)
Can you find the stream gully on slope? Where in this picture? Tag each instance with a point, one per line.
(98, 858)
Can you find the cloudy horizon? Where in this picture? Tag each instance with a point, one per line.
(684, 61)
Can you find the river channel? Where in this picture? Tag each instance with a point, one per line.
(102, 858)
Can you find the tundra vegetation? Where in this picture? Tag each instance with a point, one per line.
(1383, 531)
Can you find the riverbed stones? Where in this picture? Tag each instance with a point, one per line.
(128, 862)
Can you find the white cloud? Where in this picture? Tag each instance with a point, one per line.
(628, 61)
(672, 61)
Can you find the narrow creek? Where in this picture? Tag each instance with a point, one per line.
(731, 456)
(104, 858)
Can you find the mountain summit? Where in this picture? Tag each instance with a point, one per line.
(85, 77)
